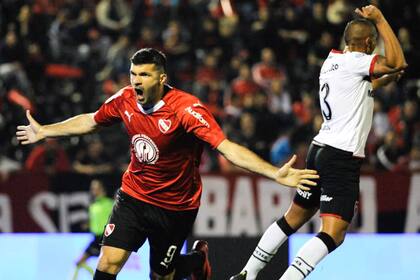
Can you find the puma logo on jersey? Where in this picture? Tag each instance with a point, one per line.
(129, 115)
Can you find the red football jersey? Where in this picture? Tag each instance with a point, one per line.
(166, 146)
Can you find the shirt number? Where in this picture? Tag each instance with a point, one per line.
(169, 256)
(325, 107)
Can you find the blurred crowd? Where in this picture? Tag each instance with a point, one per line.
(255, 63)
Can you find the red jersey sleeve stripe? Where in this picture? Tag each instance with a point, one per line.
(372, 65)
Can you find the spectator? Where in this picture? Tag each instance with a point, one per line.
(389, 153)
(411, 122)
(99, 211)
(49, 157)
(265, 71)
(243, 84)
(414, 160)
(207, 35)
(113, 17)
(12, 53)
(148, 38)
(93, 160)
(280, 101)
(207, 74)
(97, 38)
(116, 58)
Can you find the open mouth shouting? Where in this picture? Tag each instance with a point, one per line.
(140, 95)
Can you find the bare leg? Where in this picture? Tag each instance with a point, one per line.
(111, 259)
(335, 227)
(296, 216)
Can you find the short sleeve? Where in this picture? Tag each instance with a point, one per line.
(108, 113)
(197, 119)
(360, 63)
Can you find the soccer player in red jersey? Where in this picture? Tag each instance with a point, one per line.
(160, 191)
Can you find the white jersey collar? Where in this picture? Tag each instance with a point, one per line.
(156, 107)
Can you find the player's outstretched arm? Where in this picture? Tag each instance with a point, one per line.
(34, 132)
(286, 175)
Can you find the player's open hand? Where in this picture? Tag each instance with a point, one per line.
(27, 134)
(296, 178)
(370, 12)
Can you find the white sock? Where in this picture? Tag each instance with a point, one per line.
(311, 253)
(267, 247)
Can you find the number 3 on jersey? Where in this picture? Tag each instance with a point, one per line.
(325, 107)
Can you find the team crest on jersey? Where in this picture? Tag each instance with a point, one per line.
(145, 149)
(109, 229)
(164, 125)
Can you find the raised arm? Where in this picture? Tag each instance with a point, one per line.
(34, 132)
(394, 59)
(286, 175)
(386, 79)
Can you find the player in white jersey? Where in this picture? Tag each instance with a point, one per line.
(347, 81)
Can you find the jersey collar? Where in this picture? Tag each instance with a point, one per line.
(156, 107)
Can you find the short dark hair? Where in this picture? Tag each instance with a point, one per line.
(149, 56)
(352, 33)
